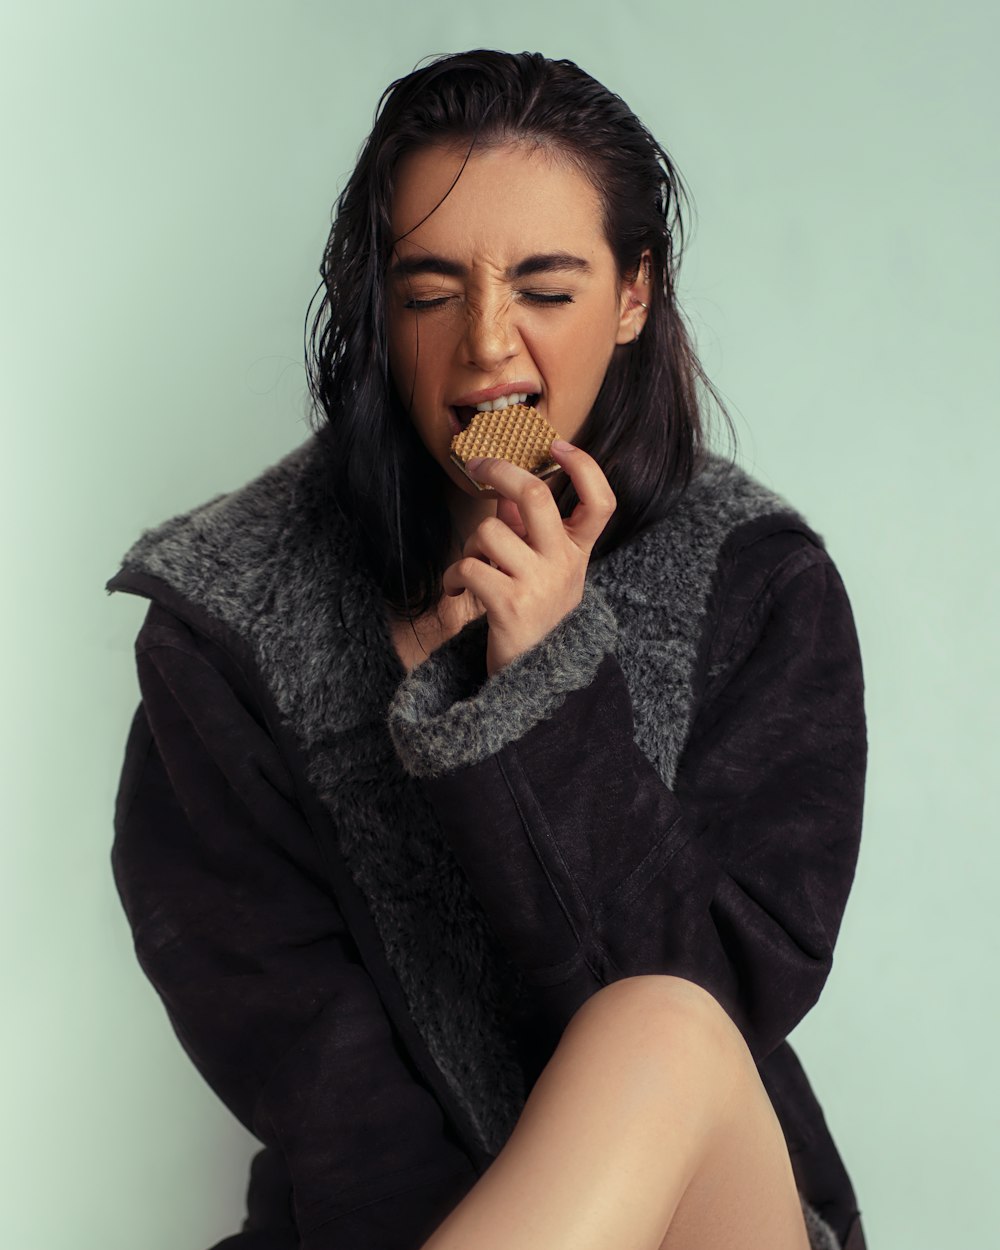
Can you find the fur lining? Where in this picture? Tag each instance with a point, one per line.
(269, 560)
(435, 730)
(821, 1235)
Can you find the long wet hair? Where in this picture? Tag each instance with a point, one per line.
(645, 428)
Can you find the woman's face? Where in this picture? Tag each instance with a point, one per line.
(507, 288)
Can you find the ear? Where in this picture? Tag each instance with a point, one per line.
(635, 293)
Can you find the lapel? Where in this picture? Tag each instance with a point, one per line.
(270, 562)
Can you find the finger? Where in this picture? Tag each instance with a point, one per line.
(597, 502)
(495, 541)
(533, 499)
(510, 514)
(486, 583)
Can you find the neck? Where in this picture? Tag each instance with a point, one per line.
(467, 511)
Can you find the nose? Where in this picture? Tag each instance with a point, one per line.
(491, 338)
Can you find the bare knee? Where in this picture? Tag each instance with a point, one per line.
(661, 999)
(655, 1016)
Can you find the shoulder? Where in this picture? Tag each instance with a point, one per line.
(768, 578)
(726, 524)
(728, 512)
(706, 576)
(773, 571)
(194, 668)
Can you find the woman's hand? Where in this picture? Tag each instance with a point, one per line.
(541, 560)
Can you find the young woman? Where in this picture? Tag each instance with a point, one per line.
(485, 845)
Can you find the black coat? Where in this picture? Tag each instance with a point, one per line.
(371, 901)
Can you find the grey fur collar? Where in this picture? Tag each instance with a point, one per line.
(266, 560)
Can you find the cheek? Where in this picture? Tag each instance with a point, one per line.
(586, 346)
(594, 321)
(413, 347)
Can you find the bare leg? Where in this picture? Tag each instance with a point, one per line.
(647, 1130)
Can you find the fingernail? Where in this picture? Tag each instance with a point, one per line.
(474, 463)
(560, 444)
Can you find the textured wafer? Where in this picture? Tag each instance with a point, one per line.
(517, 433)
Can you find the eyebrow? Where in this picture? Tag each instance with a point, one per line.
(542, 262)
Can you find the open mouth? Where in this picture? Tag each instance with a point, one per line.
(462, 416)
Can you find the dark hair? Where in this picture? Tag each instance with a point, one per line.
(644, 429)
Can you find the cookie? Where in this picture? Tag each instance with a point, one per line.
(518, 433)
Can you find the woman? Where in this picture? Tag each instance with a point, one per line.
(484, 845)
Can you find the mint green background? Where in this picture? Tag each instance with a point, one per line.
(168, 172)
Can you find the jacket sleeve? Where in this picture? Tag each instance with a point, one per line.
(591, 868)
(237, 930)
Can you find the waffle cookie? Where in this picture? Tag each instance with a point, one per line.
(519, 434)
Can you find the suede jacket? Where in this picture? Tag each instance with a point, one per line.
(371, 900)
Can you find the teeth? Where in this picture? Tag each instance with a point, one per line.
(494, 405)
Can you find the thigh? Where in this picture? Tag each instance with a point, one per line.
(743, 1195)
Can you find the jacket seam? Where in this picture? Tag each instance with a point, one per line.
(253, 685)
(533, 842)
(591, 933)
(638, 878)
(778, 579)
(147, 647)
(727, 559)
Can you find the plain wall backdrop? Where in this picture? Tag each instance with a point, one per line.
(168, 173)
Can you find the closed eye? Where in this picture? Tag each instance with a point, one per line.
(420, 304)
(540, 297)
(533, 297)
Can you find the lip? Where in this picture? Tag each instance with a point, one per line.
(494, 392)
